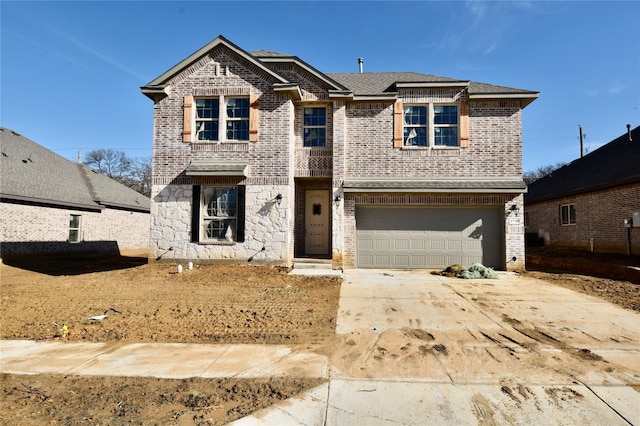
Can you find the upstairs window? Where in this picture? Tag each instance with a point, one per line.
(445, 125)
(568, 214)
(315, 127)
(430, 125)
(211, 120)
(415, 127)
(237, 119)
(207, 119)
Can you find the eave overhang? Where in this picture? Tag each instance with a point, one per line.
(386, 97)
(289, 88)
(50, 203)
(127, 207)
(524, 98)
(431, 84)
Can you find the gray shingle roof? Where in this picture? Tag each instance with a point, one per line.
(377, 83)
(616, 163)
(268, 54)
(359, 84)
(32, 173)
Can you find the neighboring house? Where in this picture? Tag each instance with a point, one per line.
(585, 203)
(49, 204)
(258, 156)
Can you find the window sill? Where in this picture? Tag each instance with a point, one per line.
(215, 142)
(217, 243)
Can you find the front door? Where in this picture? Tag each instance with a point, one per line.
(317, 209)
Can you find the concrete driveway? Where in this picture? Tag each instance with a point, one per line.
(420, 349)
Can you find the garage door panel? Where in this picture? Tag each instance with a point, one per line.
(437, 244)
(454, 245)
(382, 244)
(401, 244)
(389, 237)
(418, 244)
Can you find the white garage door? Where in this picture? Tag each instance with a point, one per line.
(407, 237)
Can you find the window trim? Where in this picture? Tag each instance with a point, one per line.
(198, 216)
(325, 126)
(445, 126)
(222, 119)
(427, 125)
(207, 219)
(462, 125)
(190, 119)
(77, 229)
(571, 208)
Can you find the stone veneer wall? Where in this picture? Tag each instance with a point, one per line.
(266, 225)
(34, 229)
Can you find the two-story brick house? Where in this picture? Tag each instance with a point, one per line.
(258, 156)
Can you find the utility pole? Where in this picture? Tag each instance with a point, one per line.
(581, 150)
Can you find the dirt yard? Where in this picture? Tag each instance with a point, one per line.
(152, 303)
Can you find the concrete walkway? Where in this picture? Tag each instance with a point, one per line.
(417, 349)
(161, 360)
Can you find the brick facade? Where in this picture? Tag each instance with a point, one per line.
(29, 229)
(600, 219)
(359, 144)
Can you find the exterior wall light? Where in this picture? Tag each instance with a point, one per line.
(337, 200)
(278, 199)
(514, 209)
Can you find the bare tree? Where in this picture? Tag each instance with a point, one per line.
(141, 176)
(109, 162)
(136, 174)
(542, 171)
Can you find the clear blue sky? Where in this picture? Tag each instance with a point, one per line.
(71, 71)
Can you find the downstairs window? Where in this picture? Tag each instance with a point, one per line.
(218, 214)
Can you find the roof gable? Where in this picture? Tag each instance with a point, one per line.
(32, 173)
(159, 84)
(613, 164)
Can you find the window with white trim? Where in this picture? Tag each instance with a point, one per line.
(314, 127)
(219, 207)
(445, 125)
(434, 125)
(415, 125)
(75, 231)
(233, 118)
(567, 214)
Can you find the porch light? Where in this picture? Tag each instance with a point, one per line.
(278, 199)
(337, 200)
(514, 209)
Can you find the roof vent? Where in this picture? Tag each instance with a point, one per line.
(360, 62)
